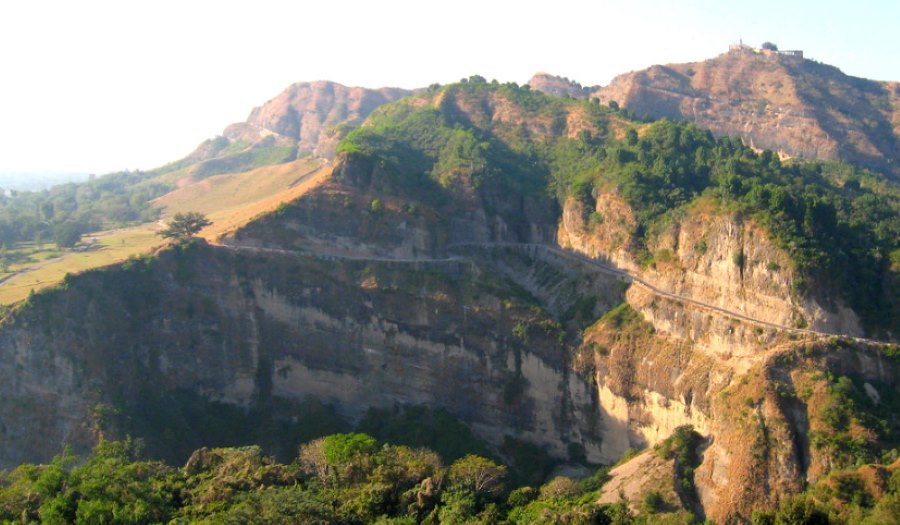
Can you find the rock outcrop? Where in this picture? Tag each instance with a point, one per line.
(310, 117)
(797, 107)
(715, 257)
(559, 86)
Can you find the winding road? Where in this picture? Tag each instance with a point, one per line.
(594, 263)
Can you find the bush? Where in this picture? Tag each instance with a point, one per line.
(652, 502)
(341, 448)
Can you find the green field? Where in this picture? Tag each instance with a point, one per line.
(229, 200)
(48, 266)
(25, 255)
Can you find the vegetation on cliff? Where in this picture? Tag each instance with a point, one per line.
(840, 226)
(479, 140)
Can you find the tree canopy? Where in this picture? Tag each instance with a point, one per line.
(185, 225)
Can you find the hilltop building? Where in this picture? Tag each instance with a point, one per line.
(744, 48)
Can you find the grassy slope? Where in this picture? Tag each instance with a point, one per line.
(229, 200)
(232, 200)
(111, 247)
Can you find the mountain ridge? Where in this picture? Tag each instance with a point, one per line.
(793, 105)
(308, 116)
(409, 273)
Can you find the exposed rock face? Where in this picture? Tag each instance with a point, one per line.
(794, 106)
(339, 218)
(261, 329)
(313, 116)
(415, 296)
(717, 258)
(679, 364)
(559, 86)
(758, 412)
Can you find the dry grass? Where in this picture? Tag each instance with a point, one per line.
(233, 199)
(229, 200)
(111, 247)
(28, 254)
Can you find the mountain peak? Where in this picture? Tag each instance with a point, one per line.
(773, 100)
(558, 86)
(309, 115)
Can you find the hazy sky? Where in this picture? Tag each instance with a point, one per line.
(93, 86)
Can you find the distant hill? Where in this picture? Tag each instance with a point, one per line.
(559, 86)
(37, 181)
(308, 116)
(798, 107)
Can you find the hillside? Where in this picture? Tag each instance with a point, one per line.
(795, 106)
(559, 87)
(550, 278)
(249, 169)
(310, 117)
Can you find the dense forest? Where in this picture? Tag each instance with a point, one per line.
(353, 478)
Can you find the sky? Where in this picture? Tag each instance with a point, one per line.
(99, 86)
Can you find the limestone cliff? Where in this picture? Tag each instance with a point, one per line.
(660, 363)
(262, 330)
(716, 257)
(764, 417)
(435, 267)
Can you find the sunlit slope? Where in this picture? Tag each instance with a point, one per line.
(104, 248)
(229, 200)
(232, 199)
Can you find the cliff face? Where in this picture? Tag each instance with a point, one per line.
(255, 330)
(425, 272)
(797, 107)
(756, 394)
(717, 258)
(764, 416)
(352, 216)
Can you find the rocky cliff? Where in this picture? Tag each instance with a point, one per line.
(264, 331)
(312, 115)
(767, 419)
(559, 87)
(715, 257)
(308, 118)
(798, 107)
(435, 267)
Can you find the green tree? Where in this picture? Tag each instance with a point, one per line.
(478, 474)
(185, 225)
(341, 448)
(631, 137)
(67, 234)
